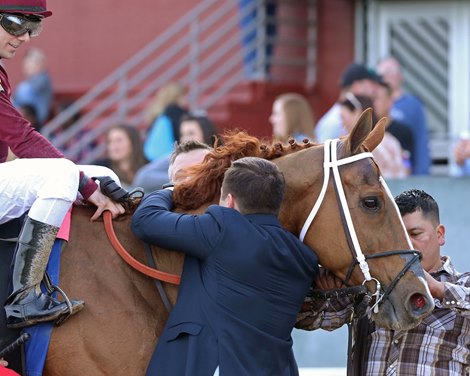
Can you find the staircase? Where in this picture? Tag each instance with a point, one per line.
(203, 50)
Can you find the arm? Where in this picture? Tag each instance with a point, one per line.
(455, 296)
(25, 142)
(194, 235)
(323, 313)
(90, 192)
(19, 135)
(462, 151)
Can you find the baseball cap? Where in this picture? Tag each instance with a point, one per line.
(27, 7)
(356, 72)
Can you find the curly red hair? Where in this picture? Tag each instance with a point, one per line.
(202, 182)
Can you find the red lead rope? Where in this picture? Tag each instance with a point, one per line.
(144, 269)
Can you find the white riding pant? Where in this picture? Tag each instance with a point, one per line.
(47, 187)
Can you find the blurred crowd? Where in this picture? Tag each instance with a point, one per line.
(140, 156)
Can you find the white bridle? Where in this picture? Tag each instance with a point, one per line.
(332, 162)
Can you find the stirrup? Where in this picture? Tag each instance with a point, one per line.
(115, 192)
(40, 308)
(51, 288)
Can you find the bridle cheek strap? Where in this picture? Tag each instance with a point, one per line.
(331, 161)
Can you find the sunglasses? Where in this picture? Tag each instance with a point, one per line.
(18, 25)
(354, 101)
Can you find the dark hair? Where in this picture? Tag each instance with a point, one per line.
(186, 147)
(357, 72)
(138, 158)
(207, 126)
(175, 113)
(256, 184)
(415, 199)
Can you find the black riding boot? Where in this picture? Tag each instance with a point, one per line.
(27, 305)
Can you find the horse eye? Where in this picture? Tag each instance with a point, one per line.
(371, 203)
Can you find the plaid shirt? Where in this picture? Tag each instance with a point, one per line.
(439, 346)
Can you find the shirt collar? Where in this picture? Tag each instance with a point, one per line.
(263, 219)
(446, 268)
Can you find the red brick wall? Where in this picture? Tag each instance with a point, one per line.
(86, 39)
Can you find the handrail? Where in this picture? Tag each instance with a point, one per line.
(130, 64)
(205, 58)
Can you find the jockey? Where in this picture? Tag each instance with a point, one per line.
(40, 181)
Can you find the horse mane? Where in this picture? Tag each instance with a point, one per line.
(201, 183)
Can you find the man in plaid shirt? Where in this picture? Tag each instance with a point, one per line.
(440, 345)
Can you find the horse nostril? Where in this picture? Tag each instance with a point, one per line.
(418, 301)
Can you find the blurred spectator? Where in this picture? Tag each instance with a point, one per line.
(388, 154)
(408, 110)
(164, 114)
(258, 45)
(292, 116)
(124, 153)
(383, 102)
(460, 165)
(357, 79)
(36, 88)
(196, 128)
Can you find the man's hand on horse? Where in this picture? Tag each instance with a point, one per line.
(103, 203)
(435, 287)
(327, 280)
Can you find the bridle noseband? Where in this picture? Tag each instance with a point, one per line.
(331, 162)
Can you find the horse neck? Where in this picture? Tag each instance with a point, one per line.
(303, 172)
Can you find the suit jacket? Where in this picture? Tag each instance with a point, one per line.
(243, 283)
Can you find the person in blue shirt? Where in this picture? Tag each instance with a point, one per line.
(36, 89)
(164, 116)
(408, 110)
(244, 278)
(356, 78)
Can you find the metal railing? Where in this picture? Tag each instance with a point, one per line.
(202, 50)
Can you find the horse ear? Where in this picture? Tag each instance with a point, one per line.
(376, 136)
(360, 131)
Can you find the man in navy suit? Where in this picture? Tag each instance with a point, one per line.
(244, 278)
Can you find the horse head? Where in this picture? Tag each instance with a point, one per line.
(355, 226)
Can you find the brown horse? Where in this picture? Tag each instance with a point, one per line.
(117, 331)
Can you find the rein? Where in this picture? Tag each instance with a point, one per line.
(126, 256)
(331, 162)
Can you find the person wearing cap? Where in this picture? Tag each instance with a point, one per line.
(40, 181)
(357, 79)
